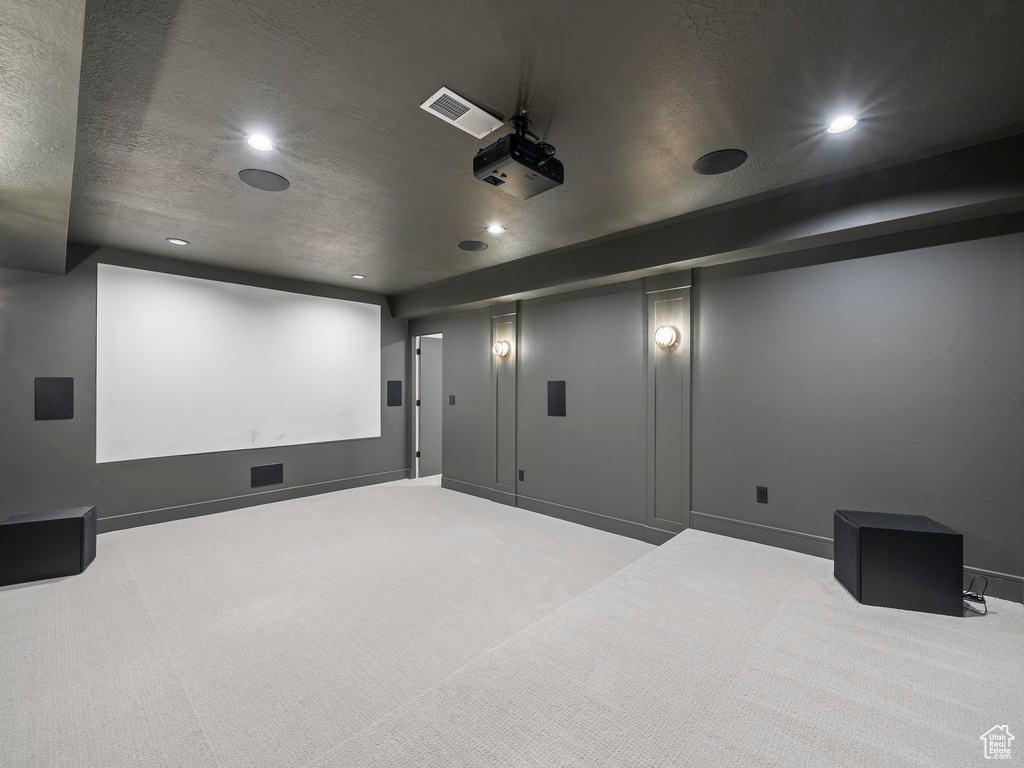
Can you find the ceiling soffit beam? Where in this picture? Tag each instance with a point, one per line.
(941, 194)
(41, 42)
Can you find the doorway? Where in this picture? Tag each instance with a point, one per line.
(428, 404)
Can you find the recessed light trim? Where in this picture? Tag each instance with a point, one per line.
(176, 241)
(495, 229)
(260, 141)
(358, 277)
(473, 245)
(842, 123)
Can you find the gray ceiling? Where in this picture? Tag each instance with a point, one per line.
(631, 93)
(40, 53)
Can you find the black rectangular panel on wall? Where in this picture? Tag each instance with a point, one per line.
(394, 393)
(556, 398)
(55, 398)
(267, 474)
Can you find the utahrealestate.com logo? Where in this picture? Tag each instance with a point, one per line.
(997, 742)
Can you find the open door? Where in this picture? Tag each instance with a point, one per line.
(428, 409)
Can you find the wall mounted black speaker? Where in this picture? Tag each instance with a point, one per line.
(55, 398)
(267, 474)
(556, 398)
(394, 393)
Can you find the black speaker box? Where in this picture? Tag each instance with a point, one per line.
(47, 545)
(899, 561)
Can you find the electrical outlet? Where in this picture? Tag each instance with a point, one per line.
(762, 494)
(451, 399)
(522, 475)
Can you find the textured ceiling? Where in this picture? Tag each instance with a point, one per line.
(40, 53)
(631, 93)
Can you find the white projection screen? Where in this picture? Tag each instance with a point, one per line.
(185, 365)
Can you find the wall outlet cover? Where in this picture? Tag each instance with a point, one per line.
(762, 494)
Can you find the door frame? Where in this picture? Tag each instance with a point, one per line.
(416, 399)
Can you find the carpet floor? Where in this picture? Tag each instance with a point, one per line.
(265, 636)
(716, 652)
(406, 625)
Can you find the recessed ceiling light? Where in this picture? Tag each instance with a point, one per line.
(358, 277)
(842, 123)
(176, 241)
(495, 229)
(260, 142)
(473, 245)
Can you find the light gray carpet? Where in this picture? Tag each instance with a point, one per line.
(266, 636)
(405, 625)
(717, 652)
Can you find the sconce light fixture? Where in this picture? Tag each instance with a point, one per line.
(501, 348)
(666, 336)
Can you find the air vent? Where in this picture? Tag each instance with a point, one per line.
(454, 109)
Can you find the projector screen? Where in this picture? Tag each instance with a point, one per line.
(186, 366)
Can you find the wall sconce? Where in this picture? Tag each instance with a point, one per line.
(501, 348)
(666, 336)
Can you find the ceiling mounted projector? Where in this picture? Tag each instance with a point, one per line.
(517, 165)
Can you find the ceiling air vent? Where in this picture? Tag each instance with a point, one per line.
(454, 109)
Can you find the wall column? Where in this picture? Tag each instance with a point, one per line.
(503, 328)
(668, 403)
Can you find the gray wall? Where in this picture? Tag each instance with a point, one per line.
(48, 328)
(594, 458)
(891, 383)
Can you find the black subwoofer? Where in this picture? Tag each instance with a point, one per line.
(899, 561)
(45, 545)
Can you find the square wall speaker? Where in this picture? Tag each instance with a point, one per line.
(556, 398)
(55, 398)
(394, 393)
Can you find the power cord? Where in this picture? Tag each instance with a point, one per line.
(972, 598)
